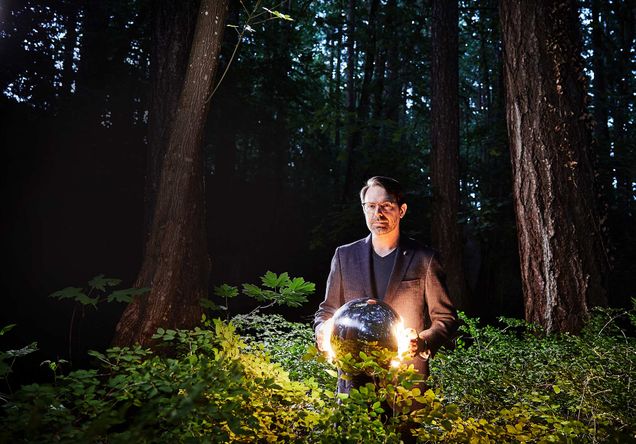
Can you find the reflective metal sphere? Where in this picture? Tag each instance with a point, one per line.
(365, 325)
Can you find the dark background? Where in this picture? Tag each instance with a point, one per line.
(73, 114)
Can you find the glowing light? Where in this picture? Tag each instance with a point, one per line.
(325, 343)
(403, 336)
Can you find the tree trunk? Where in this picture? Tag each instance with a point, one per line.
(351, 99)
(560, 247)
(625, 36)
(173, 27)
(446, 234)
(176, 264)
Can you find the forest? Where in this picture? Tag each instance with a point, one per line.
(178, 175)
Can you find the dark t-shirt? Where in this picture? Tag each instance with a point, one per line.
(382, 268)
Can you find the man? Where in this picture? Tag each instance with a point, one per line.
(394, 269)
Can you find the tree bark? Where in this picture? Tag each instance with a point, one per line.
(173, 26)
(446, 234)
(560, 248)
(176, 264)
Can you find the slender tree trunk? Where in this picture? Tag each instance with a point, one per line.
(601, 160)
(176, 264)
(560, 247)
(446, 234)
(624, 11)
(369, 58)
(351, 98)
(393, 83)
(338, 105)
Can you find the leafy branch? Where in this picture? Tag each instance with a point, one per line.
(275, 289)
(96, 294)
(248, 26)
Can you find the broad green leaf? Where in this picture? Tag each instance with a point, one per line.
(86, 300)
(28, 349)
(226, 291)
(68, 293)
(100, 282)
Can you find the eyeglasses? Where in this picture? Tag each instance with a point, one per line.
(371, 207)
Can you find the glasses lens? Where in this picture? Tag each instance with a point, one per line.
(370, 207)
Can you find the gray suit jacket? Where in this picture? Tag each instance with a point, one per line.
(416, 290)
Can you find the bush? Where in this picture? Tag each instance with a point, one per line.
(253, 380)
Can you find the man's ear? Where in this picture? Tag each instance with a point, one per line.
(402, 210)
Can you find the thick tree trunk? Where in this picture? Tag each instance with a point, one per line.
(173, 26)
(176, 264)
(446, 234)
(560, 248)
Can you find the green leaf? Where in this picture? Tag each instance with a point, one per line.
(6, 328)
(68, 293)
(126, 295)
(271, 280)
(279, 15)
(22, 351)
(100, 282)
(226, 291)
(556, 389)
(211, 305)
(85, 300)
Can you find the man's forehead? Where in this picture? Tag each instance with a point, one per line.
(376, 193)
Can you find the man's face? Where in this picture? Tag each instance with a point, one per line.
(381, 212)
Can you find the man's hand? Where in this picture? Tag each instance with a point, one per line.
(418, 345)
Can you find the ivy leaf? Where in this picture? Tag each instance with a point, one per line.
(100, 282)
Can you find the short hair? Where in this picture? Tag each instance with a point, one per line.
(390, 185)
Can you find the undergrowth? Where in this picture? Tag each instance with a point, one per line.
(257, 378)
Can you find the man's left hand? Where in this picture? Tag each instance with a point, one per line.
(418, 346)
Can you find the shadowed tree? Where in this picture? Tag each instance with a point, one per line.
(176, 265)
(445, 229)
(563, 261)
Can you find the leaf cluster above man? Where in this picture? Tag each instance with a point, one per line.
(394, 269)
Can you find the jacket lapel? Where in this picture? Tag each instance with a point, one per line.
(364, 259)
(402, 262)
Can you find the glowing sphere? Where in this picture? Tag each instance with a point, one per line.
(363, 325)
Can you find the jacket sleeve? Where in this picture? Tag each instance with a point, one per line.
(334, 294)
(441, 311)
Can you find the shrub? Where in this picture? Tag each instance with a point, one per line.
(255, 380)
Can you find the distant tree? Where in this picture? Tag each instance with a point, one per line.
(176, 265)
(445, 229)
(562, 257)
